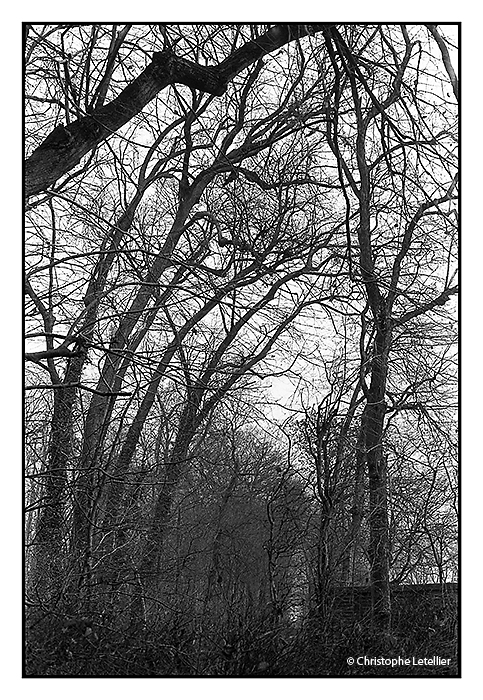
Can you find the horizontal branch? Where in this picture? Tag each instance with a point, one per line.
(440, 300)
(78, 385)
(50, 354)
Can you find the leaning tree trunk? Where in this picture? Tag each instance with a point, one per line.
(149, 569)
(65, 146)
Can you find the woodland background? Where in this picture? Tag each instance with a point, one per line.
(241, 369)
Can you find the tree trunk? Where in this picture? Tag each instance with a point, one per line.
(48, 563)
(149, 569)
(50, 531)
(352, 545)
(373, 426)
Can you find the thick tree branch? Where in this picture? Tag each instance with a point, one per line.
(48, 354)
(65, 146)
(78, 385)
(440, 300)
(446, 58)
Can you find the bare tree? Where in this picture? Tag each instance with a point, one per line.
(396, 149)
(211, 208)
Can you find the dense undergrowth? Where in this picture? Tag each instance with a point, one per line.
(316, 647)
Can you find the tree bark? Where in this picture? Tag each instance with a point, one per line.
(373, 428)
(352, 546)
